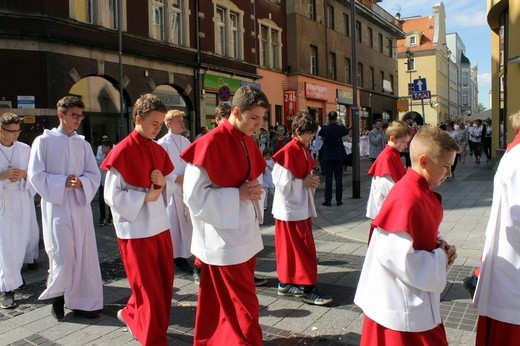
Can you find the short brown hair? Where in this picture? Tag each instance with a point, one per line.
(223, 110)
(432, 141)
(304, 123)
(398, 129)
(148, 103)
(67, 102)
(10, 118)
(248, 97)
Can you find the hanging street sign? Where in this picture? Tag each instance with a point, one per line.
(421, 95)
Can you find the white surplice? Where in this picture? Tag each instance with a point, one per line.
(68, 228)
(181, 228)
(19, 230)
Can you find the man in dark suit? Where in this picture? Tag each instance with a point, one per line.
(333, 153)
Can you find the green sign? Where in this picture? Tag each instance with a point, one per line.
(214, 83)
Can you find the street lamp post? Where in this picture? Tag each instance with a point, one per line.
(409, 59)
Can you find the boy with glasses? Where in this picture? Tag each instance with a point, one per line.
(18, 225)
(63, 170)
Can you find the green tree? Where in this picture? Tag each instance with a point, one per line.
(481, 107)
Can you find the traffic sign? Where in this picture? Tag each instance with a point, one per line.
(421, 95)
(419, 84)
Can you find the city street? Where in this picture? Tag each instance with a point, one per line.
(340, 234)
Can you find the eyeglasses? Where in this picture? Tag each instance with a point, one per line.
(12, 131)
(76, 116)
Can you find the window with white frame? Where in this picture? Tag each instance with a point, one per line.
(311, 9)
(413, 41)
(178, 16)
(410, 64)
(313, 66)
(158, 29)
(102, 13)
(229, 37)
(270, 44)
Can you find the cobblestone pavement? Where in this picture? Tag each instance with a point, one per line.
(340, 234)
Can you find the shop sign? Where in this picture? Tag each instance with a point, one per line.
(25, 101)
(289, 106)
(29, 119)
(213, 83)
(315, 91)
(344, 97)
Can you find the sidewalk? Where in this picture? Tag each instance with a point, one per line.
(340, 234)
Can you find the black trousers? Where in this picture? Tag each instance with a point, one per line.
(333, 169)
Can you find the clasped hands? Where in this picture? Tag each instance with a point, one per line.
(156, 187)
(450, 250)
(14, 174)
(73, 182)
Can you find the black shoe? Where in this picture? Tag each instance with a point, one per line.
(470, 284)
(196, 275)
(86, 314)
(327, 204)
(7, 300)
(22, 286)
(340, 203)
(183, 264)
(260, 281)
(32, 266)
(58, 308)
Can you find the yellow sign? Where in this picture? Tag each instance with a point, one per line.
(29, 119)
(402, 105)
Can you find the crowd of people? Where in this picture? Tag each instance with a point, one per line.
(181, 205)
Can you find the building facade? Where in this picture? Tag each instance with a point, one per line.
(505, 67)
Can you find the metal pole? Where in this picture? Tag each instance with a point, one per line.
(118, 11)
(356, 181)
(409, 56)
(195, 115)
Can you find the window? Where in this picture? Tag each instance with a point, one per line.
(358, 31)
(332, 66)
(178, 18)
(158, 20)
(270, 45)
(371, 77)
(370, 38)
(465, 98)
(392, 83)
(221, 31)
(410, 88)
(412, 41)
(313, 68)
(82, 10)
(329, 17)
(390, 48)
(311, 9)
(346, 25)
(382, 79)
(229, 30)
(381, 44)
(233, 26)
(348, 75)
(360, 74)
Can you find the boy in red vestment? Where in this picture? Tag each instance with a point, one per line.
(388, 168)
(407, 260)
(293, 209)
(137, 193)
(223, 191)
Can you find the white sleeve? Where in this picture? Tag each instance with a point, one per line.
(421, 269)
(217, 206)
(122, 200)
(284, 181)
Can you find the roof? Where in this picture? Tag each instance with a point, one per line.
(424, 25)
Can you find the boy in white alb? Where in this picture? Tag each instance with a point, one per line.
(17, 213)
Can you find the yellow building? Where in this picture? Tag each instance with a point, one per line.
(423, 55)
(505, 67)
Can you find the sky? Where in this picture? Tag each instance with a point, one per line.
(468, 18)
